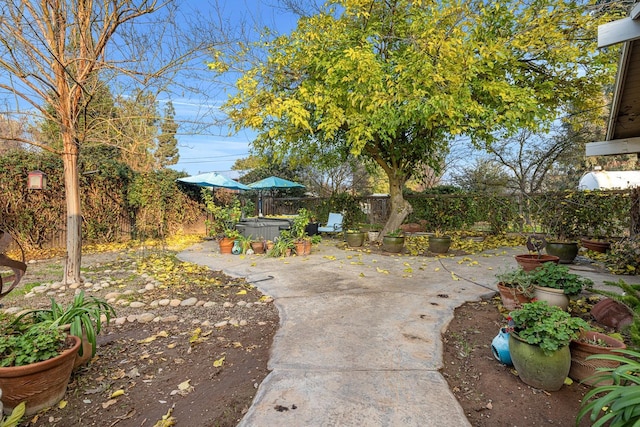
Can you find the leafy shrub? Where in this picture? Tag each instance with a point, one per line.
(546, 326)
(624, 256)
(37, 343)
(557, 276)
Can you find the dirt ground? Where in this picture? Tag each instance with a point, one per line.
(490, 393)
(199, 374)
(166, 369)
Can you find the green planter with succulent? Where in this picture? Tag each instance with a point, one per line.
(393, 242)
(83, 317)
(539, 343)
(515, 287)
(36, 360)
(554, 283)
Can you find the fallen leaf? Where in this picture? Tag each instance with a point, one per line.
(167, 420)
(117, 393)
(184, 385)
(108, 403)
(118, 374)
(242, 292)
(218, 363)
(62, 404)
(380, 270)
(195, 335)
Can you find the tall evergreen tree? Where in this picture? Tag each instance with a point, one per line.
(166, 153)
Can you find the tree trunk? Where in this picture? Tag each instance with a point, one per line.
(399, 208)
(74, 213)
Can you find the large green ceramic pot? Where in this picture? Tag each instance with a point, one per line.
(535, 368)
(354, 238)
(392, 244)
(566, 251)
(439, 245)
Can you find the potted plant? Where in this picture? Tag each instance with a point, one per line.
(223, 216)
(539, 343)
(561, 225)
(535, 258)
(354, 237)
(301, 239)
(36, 360)
(241, 244)
(439, 243)
(373, 231)
(588, 344)
(515, 287)
(82, 317)
(615, 404)
(258, 245)
(282, 246)
(393, 242)
(555, 284)
(228, 239)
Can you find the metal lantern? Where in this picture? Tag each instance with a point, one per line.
(37, 180)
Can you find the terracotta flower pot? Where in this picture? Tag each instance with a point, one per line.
(612, 313)
(258, 247)
(303, 247)
(512, 298)
(226, 245)
(40, 384)
(530, 262)
(595, 245)
(584, 370)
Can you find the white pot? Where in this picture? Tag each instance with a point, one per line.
(551, 296)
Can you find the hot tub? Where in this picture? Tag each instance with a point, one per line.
(266, 228)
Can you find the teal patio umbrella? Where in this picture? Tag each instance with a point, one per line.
(214, 180)
(272, 183)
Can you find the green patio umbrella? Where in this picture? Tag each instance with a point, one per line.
(272, 183)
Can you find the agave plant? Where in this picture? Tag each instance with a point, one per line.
(83, 315)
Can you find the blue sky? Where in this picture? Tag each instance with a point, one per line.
(213, 150)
